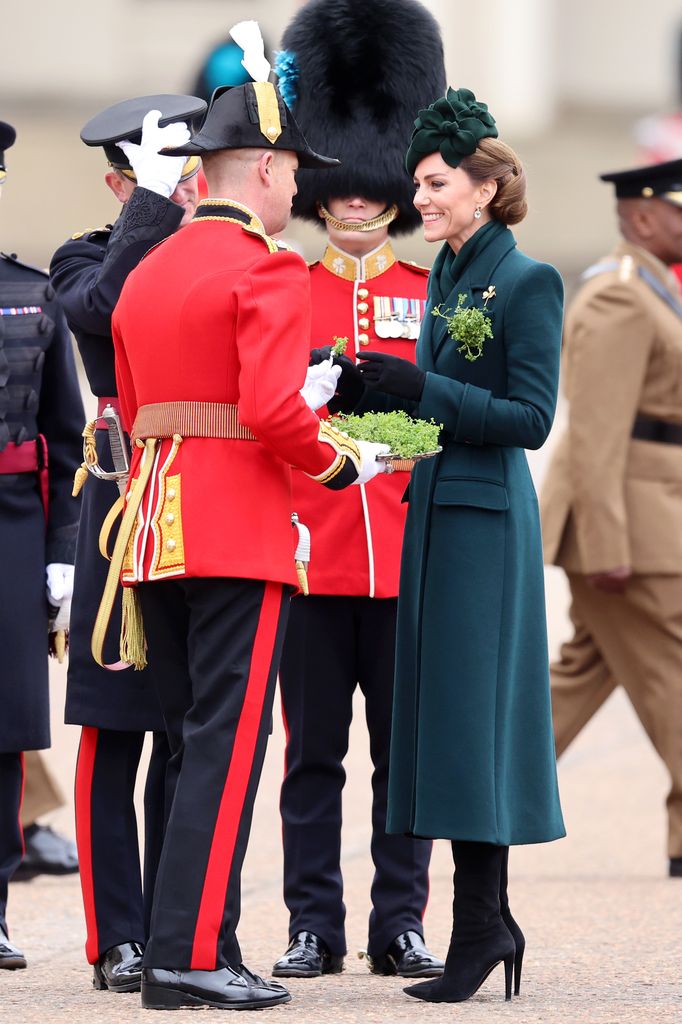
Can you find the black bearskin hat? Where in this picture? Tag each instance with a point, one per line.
(356, 73)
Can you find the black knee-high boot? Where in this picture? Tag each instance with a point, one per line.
(480, 938)
(517, 934)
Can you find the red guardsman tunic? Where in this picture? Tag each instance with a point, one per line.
(357, 535)
(217, 313)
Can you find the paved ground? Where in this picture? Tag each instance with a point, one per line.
(602, 920)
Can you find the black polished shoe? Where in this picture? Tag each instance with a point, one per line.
(119, 969)
(11, 958)
(255, 979)
(47, 853)
(675, 870)
(408, 957)
(171, 990)
(307, 957)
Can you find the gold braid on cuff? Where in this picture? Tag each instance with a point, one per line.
(387, 217)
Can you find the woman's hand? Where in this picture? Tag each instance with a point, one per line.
(392, 375)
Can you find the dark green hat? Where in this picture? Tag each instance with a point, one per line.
(452, 126)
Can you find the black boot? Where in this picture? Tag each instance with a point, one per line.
(480, 938)
(517, 934)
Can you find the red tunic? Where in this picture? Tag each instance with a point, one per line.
(217, 313)
(356, 535)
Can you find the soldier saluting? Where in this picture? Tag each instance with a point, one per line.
(159, 195)
(612, 500)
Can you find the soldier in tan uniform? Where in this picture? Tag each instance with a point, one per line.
(612, 500)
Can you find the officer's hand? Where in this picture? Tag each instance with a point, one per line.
(613, 582)
(59, 591)
(320, 383)
(370, 467)
(318, 355)
(391, 374)
(351, 386)
(154, 171)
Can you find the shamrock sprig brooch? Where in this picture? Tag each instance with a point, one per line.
(469, 325)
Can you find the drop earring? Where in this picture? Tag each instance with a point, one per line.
(477, 213)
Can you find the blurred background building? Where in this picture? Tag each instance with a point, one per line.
(566, 79)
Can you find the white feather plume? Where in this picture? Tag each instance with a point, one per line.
(247, 34)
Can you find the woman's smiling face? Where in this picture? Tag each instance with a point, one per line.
(447, 200)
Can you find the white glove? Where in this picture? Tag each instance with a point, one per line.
(59, 592)
(154, 171)
(320, 383)
(370, 467)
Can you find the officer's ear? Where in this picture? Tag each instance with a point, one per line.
(266, 168)
(119, 185)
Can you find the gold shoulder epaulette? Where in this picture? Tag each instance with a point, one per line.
(626, 268)
(411, 265)
(272, 245)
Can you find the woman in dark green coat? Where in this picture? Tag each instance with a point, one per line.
(472, 752)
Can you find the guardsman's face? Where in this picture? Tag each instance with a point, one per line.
(446, 198)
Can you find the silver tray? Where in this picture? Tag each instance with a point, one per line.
(397, 464)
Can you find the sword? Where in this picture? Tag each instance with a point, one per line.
(117, 444)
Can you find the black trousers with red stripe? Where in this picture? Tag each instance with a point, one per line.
(214, 647)
(116, 897)
(334, 644)
(11, 835)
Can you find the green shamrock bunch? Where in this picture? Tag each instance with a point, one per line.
(468, 325)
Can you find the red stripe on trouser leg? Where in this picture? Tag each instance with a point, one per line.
(214, 892)
(85, 768)
(22, 763)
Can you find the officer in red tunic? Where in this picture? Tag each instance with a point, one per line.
(357, 72)
(211, 346)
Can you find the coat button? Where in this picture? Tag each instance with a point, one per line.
(362, 307)
(363, 293)
(170, 545)
(363, 339)
(171, 494)
(363, 322)
(170, 518)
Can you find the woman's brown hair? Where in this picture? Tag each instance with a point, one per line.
(496, 161)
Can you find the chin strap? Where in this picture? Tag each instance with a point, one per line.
(387, 217)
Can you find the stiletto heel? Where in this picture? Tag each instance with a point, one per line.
(508, 969)
(518, 962)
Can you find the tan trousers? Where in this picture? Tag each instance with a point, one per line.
(635, 641)
(41, 790)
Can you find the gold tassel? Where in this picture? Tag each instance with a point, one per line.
(60, 645)
(133, 643)
(79, 479)
(302, 578)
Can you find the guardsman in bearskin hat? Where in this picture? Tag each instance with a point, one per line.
(159, 195)
(211, 334)
(355, 72)
(612, 501)
(40, 422)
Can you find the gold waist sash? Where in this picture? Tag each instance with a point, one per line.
(190, 419)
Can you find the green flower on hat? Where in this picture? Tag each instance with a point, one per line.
(453, 126)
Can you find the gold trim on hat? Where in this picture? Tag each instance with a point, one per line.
(387, 217)
(268, 110)
(190, 168)
(672, 197)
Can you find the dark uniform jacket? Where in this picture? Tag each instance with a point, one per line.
(40, 412)
(88, 273)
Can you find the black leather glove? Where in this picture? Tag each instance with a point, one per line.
(391, 374)
(350, 387)
(318, 355)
